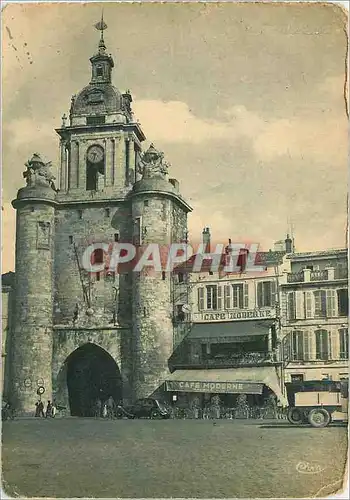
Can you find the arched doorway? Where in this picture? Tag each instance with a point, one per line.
(91, 374)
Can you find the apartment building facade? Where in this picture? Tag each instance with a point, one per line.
(314, 316)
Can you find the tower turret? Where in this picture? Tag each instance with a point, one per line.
(32, 331)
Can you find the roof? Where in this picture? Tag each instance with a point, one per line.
(319, 254)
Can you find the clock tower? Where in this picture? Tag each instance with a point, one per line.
(87, 335)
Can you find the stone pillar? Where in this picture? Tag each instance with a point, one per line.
(63, 159)
(109, 162)
(74, 165)
(82, 164)
(307, 274)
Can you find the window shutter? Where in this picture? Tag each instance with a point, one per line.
(333, 354)
(228, 296)
(200, 299)
(291, 313)
(259, 294)
(246, 295)
(331, 304)
(309, 305)
(273, 294)
(286, 343)
(299, 305)
(219, 292)
(306, 345)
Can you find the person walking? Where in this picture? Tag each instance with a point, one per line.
(110, 407)
(53, 409)
(48, 410)
(40, 409)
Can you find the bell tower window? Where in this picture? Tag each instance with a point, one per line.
(99, 71)
(95, 166)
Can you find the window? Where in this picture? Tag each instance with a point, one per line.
(298, 345)
(180, 315)
(97, 256)
(237, 296)
(80, 214)
(70, 239)
(163, 275)
(99, 71)
(212, 297)
(116, 237)
(145, 203)
(343, 343)
(297, 377)
(266, 294)
(98, 276)
(108, 212)
(291, 306)
(91, 178)
(95, 120)
(136, 238)
(343, 304)
(320, 304)
(322, 345)
(180, 278)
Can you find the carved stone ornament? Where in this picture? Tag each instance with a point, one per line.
(152, 163)
(39, 173)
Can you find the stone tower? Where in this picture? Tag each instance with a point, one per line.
(87, 335)
(33, 321)
(159, 216)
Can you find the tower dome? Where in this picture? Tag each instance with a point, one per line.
(100, 98)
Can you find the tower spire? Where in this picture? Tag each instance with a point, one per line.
(101, 26)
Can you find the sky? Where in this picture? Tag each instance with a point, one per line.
(245, 99)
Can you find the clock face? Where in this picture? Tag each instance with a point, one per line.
(95, 154)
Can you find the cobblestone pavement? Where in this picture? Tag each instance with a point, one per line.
(75, 457)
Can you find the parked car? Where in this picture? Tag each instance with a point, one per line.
(145, 408)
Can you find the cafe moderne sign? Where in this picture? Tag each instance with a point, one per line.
(235, 315)
(215, 387)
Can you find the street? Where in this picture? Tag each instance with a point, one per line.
(74, 457)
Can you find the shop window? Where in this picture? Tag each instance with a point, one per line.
(320, 304)
(343, 343)
(322, 344)
(266, 294)
(343, 304)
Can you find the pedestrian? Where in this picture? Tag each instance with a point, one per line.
(104, 411)
(110, 407)
(53, 409)
(48, 410)
(40, 409)
(98, 408)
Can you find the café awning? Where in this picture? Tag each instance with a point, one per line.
(230, 329)
(230, 381)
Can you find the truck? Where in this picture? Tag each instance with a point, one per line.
(317, 402)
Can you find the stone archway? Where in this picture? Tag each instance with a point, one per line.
(91, 374)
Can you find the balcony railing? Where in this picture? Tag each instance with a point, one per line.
(295, 277)
(319, 275)
(249, 359)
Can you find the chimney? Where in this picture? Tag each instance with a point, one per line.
(289, 244)
(206, 239)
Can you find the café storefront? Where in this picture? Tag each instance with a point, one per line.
(226, 360)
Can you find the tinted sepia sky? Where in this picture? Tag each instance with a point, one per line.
(246, 101)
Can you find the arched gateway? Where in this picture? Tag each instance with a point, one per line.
(91, 374)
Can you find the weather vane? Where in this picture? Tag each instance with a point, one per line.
(101, 26)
